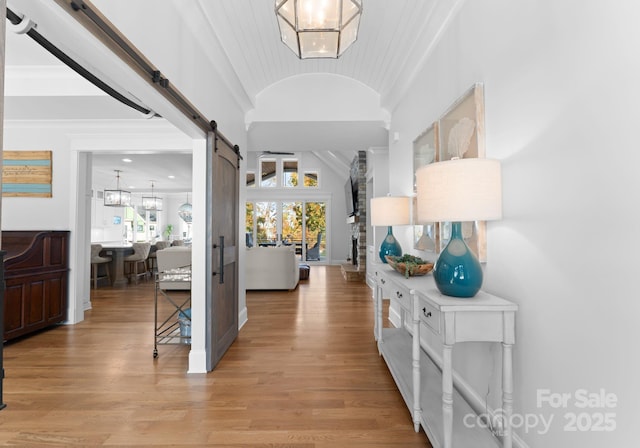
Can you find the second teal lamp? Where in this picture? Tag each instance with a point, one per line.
(390, 211)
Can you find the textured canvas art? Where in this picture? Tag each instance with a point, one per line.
(458, 133)
(27, 174)
(462, 135)
(426, 236)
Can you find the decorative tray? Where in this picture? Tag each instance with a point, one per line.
(409, 265)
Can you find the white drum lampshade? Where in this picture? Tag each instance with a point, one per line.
(459, 190)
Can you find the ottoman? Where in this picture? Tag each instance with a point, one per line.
(304, 271)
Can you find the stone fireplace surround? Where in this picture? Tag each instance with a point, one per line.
(356, 269)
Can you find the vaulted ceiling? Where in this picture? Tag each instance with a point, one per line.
(391, 33)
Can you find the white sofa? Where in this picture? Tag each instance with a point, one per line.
(170, 258)
(271, 268)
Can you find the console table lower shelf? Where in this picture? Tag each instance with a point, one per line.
(395, 347)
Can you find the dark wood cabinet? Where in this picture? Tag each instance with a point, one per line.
(36, 271)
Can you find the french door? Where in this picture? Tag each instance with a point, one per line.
(302, 224)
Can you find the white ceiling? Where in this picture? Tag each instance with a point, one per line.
(392, 41)
(388, 34)
(137, 175)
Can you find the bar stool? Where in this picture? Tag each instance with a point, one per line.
(153, 258)
(96, 261)
(133, 262)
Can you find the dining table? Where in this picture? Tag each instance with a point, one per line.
(117, 252)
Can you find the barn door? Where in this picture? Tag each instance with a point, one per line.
(222, 304)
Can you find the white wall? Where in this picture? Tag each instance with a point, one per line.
(59, 211)
(27, 213)
(561, 95)
(318, 97)
(188, 54)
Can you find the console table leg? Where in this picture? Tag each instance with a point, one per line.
(507, 393)
(415, 355)
(379, 317)
(375, 313)
(447, 395)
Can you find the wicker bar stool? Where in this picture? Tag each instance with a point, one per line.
(133, 262)
(153, 258)
(96, 261)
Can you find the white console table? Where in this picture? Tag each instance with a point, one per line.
(425, 380)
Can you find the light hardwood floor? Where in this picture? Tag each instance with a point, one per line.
(303, 373)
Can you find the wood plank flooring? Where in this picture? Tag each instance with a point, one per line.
(303, 373)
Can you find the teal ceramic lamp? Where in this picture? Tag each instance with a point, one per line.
(459, 190)
(389, 211)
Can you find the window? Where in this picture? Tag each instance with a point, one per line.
(295, 223)
(311, 179)
(287, 169)
(251, 179)
(248, 218)
(292, 223)
(315, 229)
(266, 222)
(290, 173)
(268, 177)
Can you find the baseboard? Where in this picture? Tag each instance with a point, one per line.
(197, 361)
(243, 318)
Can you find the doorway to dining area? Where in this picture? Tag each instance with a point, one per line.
(164, 177)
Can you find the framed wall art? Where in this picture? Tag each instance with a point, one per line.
(27, 174)
(426, 236)
(461, 132)
(461, 127)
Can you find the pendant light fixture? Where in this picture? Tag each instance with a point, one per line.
(318, 28)
(117, 197)
(184, 211)
(152, 202)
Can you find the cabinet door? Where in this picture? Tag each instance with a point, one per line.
(14, 306)
(56, 296)
(33, 303)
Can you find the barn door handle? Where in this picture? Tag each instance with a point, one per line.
(221, 247)
(221, 280)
